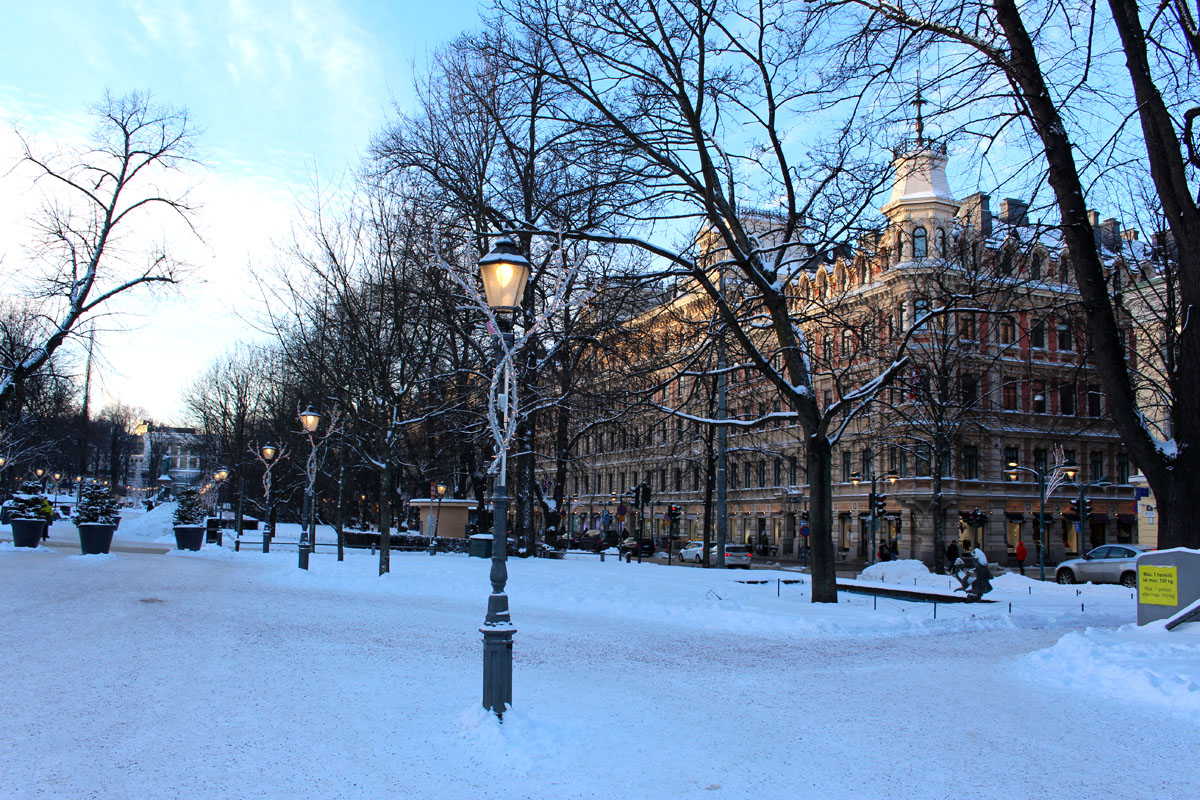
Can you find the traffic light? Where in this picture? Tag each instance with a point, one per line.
(645, 494)
(1075, 507)
(1087, 508)
(880, 505)
(673, 513)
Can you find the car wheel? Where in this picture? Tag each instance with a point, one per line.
(1066, 577)
(1129, 580)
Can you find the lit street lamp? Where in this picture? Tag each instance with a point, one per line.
(1084, 517)
(309, 420)
(219, 477)
(1041, 475)
(439, 490)
(268, 453)
(504, 272)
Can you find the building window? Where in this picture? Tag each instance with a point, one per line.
(847, 466)
(662, 480)
(746, 475)
(1094, 403)
(1037, 396)
(586, 483)
(966, 326)
(1066, 399)
(1037, 335)
(1008, 330)
(678, 479)
(920, 309)
(941, 243)
(828, 397)
(920, 243)
(1122, 468)
(1008, 396)
(762, 473)
(923, 460)
(1012, 455)
(1064, 273)
(1041, 461)
(969, 389)
(1066, 339)
(695, 479)
(1096, 465)
(894, 460)
(868, 463)
(778, 472)
(970, 462)
(1035, 266)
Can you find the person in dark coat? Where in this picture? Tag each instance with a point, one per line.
(952, 552)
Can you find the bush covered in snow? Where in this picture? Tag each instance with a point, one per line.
(97, 505)
(189, 511)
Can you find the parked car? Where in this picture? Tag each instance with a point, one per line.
(736, 555)
(692, 551)
(1108, 563)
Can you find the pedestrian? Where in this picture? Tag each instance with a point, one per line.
(894, 547)
(1021, 554)
(952, 552)
(884, 553)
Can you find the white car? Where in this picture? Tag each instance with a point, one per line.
(736, 555)
(692, 551)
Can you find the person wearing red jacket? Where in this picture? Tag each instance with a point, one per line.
(1021, 553)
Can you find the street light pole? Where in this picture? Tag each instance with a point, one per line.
(1013, 469)
(504, 272)
(309, 420)
(268, 452)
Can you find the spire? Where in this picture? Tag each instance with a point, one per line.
(919, 101)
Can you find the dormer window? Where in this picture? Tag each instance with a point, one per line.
(920, 243)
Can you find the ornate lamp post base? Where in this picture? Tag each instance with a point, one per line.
(497, 667)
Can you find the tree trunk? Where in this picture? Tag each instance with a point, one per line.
(820, 519)
(385, 517)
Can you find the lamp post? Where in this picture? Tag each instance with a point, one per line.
(219, 477)
(1070, 470)
(504, 272)
(309, 420)
(1013, 469)
(3, 484)
(874, 503)
(268, 453)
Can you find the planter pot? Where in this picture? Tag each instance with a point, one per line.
(95, 537)
(27, 532)
(189, 537)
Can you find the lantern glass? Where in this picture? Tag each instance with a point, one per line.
(269, 451)
(504, 272)
(39, 472)
(310, 419)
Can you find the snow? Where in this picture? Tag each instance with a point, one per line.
(234, 674)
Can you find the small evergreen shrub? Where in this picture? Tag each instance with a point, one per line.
(31, 507)
(190, 511)
(97, 505)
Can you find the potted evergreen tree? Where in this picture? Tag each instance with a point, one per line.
(189, 521)
(96, 517)
(28, 520)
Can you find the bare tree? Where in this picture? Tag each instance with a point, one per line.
(95, 199)
(703, 101)
(1061, 73)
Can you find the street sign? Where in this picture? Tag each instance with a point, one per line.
(804, 531)
(622, 510)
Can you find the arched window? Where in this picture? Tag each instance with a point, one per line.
(1035, 266)
(941, 243)
(920, 242)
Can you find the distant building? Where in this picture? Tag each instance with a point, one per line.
(166, 451)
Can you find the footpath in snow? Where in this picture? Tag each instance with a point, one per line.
(223, 674)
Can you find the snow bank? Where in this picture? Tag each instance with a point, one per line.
(1147, 666)
(157, 525)
(902, 571)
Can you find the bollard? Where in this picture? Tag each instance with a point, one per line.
(602, 557)
(874, 602)
(1010, 608)
(935, 609)
(237, 545)
(777, 585)
(1081, 611)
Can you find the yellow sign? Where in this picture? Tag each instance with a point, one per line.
(1158, 586)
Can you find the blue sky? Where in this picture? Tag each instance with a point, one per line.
(282, 91)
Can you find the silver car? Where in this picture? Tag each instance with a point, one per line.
(1108, 563)
(736, 555)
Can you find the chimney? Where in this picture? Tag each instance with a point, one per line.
(1014, 212)
(1093, 218)
(974, 213)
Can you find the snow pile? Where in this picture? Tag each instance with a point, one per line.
(157, 525)
(902, 571)
(1147, 666)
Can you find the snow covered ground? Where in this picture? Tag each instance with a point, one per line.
(235, 675)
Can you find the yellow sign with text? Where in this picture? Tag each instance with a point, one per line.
(1158, 586)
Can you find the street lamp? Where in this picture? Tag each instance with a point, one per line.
(41, 473)
(1013, 469)
(309, 420)
(1069, 470)
(268, 452)
(219, 477)
(504, 272)
(874, 501)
